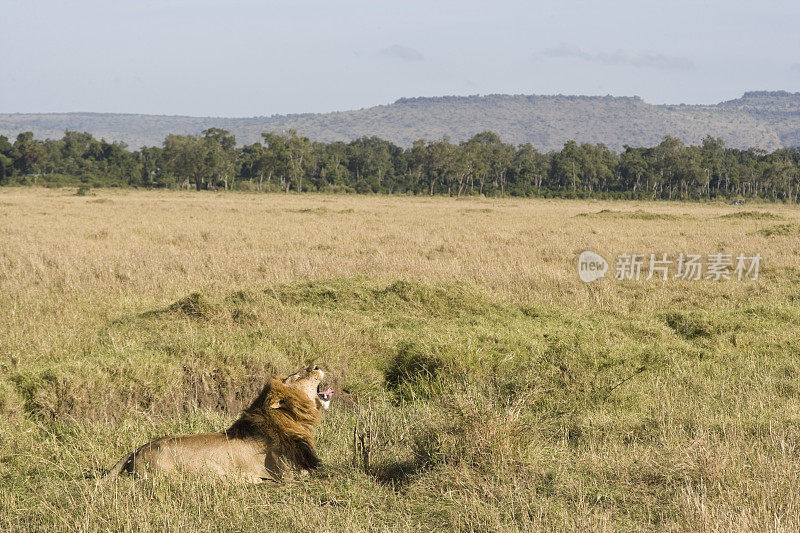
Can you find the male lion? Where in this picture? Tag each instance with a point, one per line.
(270, 439)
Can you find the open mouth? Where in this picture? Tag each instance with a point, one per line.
(325, 395)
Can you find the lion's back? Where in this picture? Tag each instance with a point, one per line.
(200, 453)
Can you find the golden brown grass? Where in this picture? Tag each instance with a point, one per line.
(490, 365)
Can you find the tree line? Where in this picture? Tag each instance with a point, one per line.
(482, 165)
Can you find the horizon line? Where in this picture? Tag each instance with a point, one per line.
(402, 100)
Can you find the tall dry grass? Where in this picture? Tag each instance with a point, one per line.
(509, 393)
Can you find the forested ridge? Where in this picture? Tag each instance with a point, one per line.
(762, 119)
(481, 165)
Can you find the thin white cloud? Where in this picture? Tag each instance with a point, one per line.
(620, 58)
(795, 66)
(405, 53)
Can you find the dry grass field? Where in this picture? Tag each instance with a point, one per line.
(508, 394)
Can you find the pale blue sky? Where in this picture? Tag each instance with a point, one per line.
(247, 57)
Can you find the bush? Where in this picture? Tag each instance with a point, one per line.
(414, 371)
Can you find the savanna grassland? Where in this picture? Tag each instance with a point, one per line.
(505, 393)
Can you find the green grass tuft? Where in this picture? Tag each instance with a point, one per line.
(689, 325)
(195, 305)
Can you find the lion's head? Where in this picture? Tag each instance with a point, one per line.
(310, 381)
(282, 416)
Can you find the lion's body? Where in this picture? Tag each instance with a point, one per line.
(271, 439)
(211, 453)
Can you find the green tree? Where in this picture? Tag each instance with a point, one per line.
(6, 159)
(29, 155)
(370, 162)
(219, 156)
(667, 160)
(183, 157)
(277, 157)
(254, 165)
(530, 169)
(633, 169)
(151, 173)
(332, 164)
(566, 166)
(489, 158)
(290, 156)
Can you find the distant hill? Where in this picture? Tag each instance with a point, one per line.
(760, 119)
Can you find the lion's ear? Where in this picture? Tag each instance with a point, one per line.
(277, 404)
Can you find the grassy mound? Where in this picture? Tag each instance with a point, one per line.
(751, 215)
(780, 230)
(638, 214)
